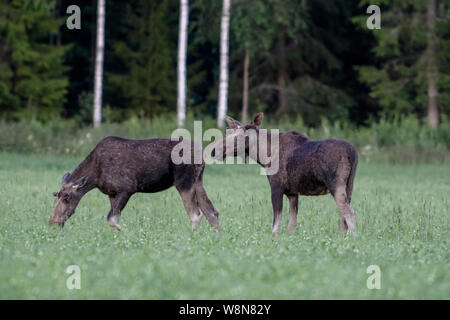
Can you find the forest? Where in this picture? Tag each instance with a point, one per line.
(298, 61)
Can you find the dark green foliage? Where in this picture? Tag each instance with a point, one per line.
(146, 54)
(291, 42)
(443, 42)
(398, 79)
(80, 58)
(309, 59)
(32, 77)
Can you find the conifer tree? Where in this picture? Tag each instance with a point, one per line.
(147, 80)
(412, 58)
(33, 83)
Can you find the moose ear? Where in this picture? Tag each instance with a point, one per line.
(80, 183)
(258, 119)
(232, 124)
(65, 178)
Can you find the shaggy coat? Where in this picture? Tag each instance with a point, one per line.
(120, 168)
(306, 167)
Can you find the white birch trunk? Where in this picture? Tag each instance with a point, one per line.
(182, 48)
(98, 86)
(245, 87)
(223, 85)
(433, 111)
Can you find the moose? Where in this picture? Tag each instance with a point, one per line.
(121, 167)
(305, 167)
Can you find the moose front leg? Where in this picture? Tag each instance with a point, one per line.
(293, 211)
(277, 204)
(118, 202)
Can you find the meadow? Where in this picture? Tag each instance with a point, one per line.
(402, 226)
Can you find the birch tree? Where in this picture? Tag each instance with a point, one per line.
(100, 46)
(433, 113)
(245, 87)
(223, 85)
(182, 48)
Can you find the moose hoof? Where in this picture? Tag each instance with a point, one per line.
(291, 230)
(116, 226)
(193, 225)
(114, 223)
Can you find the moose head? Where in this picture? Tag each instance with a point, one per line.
(67, 199)
(238, 140)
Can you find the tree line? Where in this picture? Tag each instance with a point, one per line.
(288, 58)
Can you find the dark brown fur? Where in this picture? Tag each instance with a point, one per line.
(308, 168)
(121, 167)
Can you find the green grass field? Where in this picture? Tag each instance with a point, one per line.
(403, 227)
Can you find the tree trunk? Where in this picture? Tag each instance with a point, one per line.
(281, 89)
(245, 89)
(182, 48)
(98, 86)
(223, 85)
(93, 39)
(433, 112)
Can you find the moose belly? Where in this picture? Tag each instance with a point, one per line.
(155, 182)
(312, 188)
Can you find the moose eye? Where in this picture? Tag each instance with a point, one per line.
(65, 197)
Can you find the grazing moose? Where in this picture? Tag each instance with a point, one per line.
(121, 167)
(305, 167)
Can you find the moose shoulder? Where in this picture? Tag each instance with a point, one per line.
(121, 167)
(306, 167)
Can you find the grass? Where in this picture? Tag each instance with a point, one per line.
(403, 227)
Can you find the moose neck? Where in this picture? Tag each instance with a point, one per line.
(85, 170)
(258, 153)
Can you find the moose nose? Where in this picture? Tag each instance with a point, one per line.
(54, 220)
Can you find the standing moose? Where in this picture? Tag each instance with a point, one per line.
(121, 167)
(305, 167)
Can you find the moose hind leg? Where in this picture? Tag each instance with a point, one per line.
(191, 207)
(118, 202)
(206, 206)
(347, 221)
